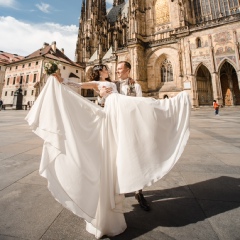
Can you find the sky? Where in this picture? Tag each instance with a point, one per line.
(26, 24)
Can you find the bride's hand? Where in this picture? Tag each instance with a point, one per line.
(59, 78)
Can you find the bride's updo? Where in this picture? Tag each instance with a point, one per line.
(95, 74)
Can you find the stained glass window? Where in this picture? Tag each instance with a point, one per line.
(211, 9)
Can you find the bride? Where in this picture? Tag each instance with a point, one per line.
(92, 156)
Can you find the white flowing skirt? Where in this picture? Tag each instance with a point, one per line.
(92, 156)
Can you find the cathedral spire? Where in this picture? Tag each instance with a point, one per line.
(118, 2)
(83, 10)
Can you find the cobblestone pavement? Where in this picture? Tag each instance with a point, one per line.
(198, 199)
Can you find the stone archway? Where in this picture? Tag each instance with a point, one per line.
(204, 86)
(229, 85)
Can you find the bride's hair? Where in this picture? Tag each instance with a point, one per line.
(95, 74)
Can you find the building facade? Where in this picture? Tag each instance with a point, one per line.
(6, 58)
(172, 45)
(26, 77)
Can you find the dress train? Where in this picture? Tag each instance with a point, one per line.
(92, 156)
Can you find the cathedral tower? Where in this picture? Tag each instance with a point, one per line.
(117, 2)
(92, 31)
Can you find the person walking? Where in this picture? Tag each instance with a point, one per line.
(1, 104)
(216, 107)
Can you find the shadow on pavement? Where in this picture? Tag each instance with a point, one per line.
(173, 208)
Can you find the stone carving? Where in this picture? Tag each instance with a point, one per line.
(162, 11)
(201, 56)
(231, 58)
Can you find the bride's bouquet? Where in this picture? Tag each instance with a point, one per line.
(51, 67)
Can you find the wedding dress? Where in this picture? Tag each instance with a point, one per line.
(92, 156)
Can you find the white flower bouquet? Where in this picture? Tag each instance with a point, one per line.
(51, 67)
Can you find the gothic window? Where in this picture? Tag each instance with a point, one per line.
(211, 9)
(166, 71)
(198, 42)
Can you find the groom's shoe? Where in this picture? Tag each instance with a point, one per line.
(142, 201)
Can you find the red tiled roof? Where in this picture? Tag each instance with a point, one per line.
(48, 52)
(6, 58)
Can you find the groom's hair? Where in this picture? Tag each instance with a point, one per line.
(126, 64)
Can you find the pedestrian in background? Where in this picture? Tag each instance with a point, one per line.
(1, 103)
(216, 107)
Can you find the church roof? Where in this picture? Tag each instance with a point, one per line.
(108, 53)
(94, 56)
(112, 14)
(47, 51)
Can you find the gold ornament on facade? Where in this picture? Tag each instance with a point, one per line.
(162, 11)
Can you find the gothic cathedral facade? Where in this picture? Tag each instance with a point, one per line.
(172, 45)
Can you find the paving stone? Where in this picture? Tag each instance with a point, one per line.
(27, 211)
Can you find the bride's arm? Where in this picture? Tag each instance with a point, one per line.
(85, 85)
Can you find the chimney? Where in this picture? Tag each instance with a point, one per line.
(45, 45)
(62, 50)
(54, 48)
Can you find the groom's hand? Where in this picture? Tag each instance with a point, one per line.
(105, 91)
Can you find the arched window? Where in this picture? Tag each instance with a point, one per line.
(198, 42)
(166, 71)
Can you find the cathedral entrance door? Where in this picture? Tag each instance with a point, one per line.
(226, 92)
(204, 86)
(229, 85)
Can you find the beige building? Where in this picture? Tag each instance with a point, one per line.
(173, 45)
(25, 78)
(6, 58)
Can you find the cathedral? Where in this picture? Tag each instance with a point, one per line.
(172, 45)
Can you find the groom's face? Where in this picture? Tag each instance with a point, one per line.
(122, 71)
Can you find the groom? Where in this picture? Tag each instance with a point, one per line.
(127, 86)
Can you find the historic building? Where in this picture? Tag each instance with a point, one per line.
(25, 77)
(6, 58)
(173, 45)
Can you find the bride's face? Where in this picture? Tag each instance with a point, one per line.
(104, 73)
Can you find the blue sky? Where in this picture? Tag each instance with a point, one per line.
(26, 24)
